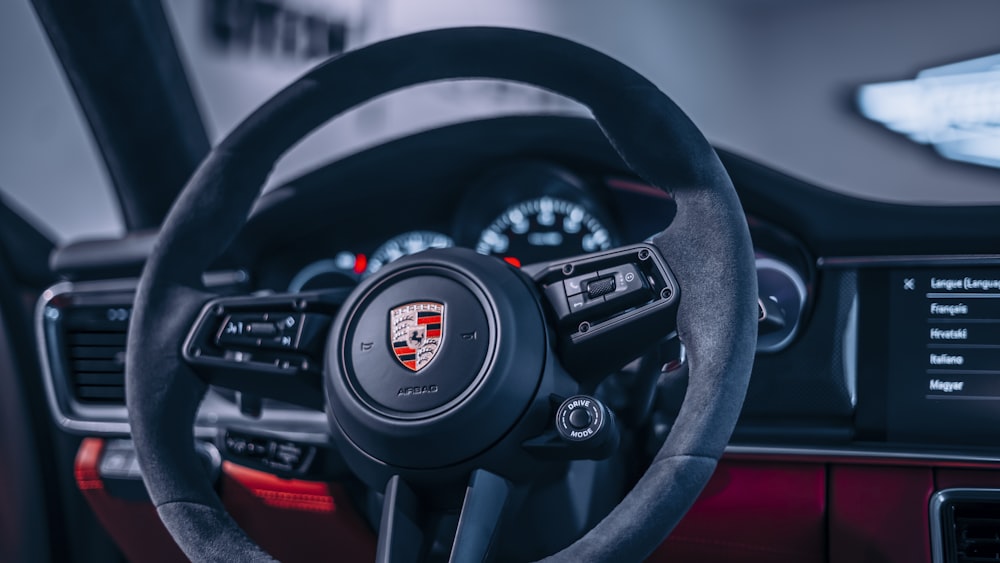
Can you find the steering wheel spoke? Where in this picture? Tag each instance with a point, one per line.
(400, 537)
(482, 511)
(607, 308)
(265, 346)
(403, 539)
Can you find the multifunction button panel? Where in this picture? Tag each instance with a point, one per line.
(609, 307)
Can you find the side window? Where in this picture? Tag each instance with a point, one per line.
(50, 169)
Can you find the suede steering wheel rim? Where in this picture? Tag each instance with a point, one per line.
(707, 245)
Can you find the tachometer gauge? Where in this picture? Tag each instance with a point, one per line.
(543, 229)
(533, 211)
(405, 245)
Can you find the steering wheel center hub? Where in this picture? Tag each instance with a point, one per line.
(434, 360)
(418, 343)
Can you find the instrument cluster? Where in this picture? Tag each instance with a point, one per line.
(523, 213)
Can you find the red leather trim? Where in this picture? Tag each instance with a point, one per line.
(293, 520)
(296, 520)
(309, 496)
(134, 526)
(879, 514)
(85, 467)
(754, 512)
(755, 509)
(964, 478)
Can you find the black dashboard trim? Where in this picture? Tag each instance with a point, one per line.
(908, 260)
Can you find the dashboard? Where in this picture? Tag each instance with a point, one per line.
(845, 361)
(869, 428)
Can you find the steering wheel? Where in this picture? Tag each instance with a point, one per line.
(449, 377)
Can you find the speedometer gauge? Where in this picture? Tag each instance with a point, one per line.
(542, 229)
(405, 245)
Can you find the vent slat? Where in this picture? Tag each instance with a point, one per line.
(95, 325)
(97, 353)
(103, 366)
(101, 393)
(104, 379)
(97, 339)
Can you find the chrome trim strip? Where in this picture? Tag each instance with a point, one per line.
(908, 260)
(850, 350)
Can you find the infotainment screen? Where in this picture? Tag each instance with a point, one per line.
(942, 357)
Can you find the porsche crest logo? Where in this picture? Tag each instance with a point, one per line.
(417, 331)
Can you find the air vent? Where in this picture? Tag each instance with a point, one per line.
(976, 530)
(95, 352)
(969, 527)
(85, 337)
(82, 327)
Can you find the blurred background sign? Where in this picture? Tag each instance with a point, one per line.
(278, 30)
(955, 108)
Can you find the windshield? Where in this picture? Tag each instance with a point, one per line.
(239, 54)
(780, 81)
(774, 80)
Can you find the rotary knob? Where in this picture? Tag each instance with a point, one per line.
(587, 424)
